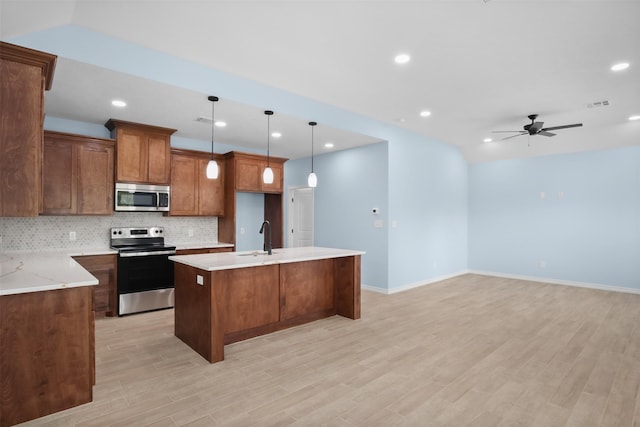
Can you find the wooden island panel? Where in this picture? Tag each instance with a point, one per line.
(307, 288)
(250, 297)
(240, 303)
(195, 316)
(347, 277)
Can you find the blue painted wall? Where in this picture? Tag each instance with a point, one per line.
(428, 211)
(586, 228)
(249, 216)
(350, 183)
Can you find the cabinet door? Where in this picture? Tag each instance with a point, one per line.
(210, 191)
(103, 267)
(59, 183)
(276, 186)
(132, 156)
(159, 159)
(21, 121)
(95, 179)
(248, 175)
(184, 192)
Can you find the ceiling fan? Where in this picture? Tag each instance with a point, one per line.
(535, 128)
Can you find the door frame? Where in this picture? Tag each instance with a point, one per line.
(290, 213)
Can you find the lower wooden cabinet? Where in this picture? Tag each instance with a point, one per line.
(77, 175)
(48, 359)
(103, 267)
(192, 193)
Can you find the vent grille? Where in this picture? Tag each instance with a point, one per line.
(598, 104)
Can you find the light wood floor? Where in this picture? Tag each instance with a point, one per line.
(473, 350)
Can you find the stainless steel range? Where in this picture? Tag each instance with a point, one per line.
(145, 274)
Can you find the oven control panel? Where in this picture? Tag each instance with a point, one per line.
(136, 232)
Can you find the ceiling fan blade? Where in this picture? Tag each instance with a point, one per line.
(535, 127)
(545, 133)
(513, 136)
(503, 131)
(577, 125)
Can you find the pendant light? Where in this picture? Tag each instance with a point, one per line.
(267, 175)
(212, 166)
(312, 181)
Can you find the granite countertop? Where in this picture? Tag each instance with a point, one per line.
(230, 260)
(22, 272)
(51, 269)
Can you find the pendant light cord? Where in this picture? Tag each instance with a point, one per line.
(312, 124)
(213, 100)
(268, 114)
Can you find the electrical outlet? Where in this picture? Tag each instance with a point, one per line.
(199, 280)
(242, 230)
(190, 232)
(72, 236)
(542, 264)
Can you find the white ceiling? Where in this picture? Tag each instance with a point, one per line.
(476, 66)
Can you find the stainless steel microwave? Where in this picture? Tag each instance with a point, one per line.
(141, 197)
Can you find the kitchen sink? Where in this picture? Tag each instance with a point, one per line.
(255, 253)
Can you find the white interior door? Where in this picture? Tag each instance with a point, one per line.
(300, 217)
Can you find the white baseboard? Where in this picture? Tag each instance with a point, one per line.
(506, 276)
(411, 285)
(558, 282)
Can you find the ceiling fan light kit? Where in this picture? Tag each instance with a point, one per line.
(535, 128)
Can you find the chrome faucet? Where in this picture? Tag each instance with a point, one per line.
(267, 244)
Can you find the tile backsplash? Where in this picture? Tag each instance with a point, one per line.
(52, 232)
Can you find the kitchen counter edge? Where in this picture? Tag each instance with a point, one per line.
(231, 260)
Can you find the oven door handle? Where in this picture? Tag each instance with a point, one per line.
(149, 253)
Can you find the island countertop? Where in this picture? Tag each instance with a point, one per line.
(23, 272)
(231, 260)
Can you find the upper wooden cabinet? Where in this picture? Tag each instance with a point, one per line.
(244, 173)
(24, 76)
(143, 152)
(248, 169)
(192, 193)
(77, 175)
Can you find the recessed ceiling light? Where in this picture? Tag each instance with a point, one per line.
(402, 58)
(221, 124)
(118, 103)
(636, 117)
(425, 113)
(621, 66)
(328, 145)
(487, 140)
(276, 134)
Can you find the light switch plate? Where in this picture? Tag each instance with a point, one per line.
(200, 280)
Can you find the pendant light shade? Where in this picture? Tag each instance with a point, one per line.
(212, 169)
(212, 166)
(312, 180)
(267, 175)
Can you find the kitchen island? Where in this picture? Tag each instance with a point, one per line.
(228, 297)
